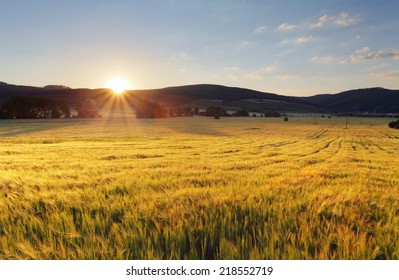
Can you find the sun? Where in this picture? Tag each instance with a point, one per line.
(118, 85)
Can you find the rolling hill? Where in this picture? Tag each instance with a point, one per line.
(233, 98)
(377, 100)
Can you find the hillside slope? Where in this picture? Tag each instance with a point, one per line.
(378, 100)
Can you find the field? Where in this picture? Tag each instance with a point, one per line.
(199, 188)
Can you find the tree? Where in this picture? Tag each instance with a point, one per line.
(157, 111)
(88, 109)
(55, 114)
(215, 112)
(2, 115)
(32, 107)
(272, 114)
(44, 106)
(241, 113)
(394, 124)
(64, 108)
(19, 107)
(147, 109)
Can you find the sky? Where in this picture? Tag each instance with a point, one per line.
(296, 47)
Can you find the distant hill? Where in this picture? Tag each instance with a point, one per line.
(54, 91)
(200, 96)
(378, 100)
(5, 88)
(233, 98)
(370, 100)
(211, 92)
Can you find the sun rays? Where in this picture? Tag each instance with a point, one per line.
(118, 85)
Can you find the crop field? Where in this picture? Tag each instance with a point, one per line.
(199, 188)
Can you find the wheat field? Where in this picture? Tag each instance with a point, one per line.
(199, 188)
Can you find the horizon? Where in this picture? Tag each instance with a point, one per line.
(203, 84)
(289, 48)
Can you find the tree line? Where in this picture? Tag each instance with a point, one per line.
(34, 107)
(44, 107)
(215, 111)
(146, 109)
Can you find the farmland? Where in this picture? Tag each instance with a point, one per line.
(199, 188)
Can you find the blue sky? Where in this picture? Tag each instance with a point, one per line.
(287, 47)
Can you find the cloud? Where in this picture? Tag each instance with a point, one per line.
(231, 68)
(288, 77)
(297, 40)
(321, 21)
(301, 40)
(323, 59)
(286, 27)
(344, 20)
(366, 55)
(387, 75)
(270, 69)
(259, 74)
(182, 56)
(362, 50)
(380, 66)
(260, 29)
(254, 75)
(232, 77)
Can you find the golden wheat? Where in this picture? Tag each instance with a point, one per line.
(198, 188)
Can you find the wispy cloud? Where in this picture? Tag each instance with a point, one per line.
(260, 29)
(361, 55)
(256, 75)
(244, 44)
(344, 19)
(362, 50)
(270, 69)
(232, 77)
(320, 22)
(380, 66)
(259, 74)
(367, 55)
(182, 56)
(286, 27)
(323, 59)
(297, 40)
(288, 77)
(303, 39)
(231, 68)
(387, 75)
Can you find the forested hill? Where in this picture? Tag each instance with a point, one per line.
(378, 100)
(212, 92)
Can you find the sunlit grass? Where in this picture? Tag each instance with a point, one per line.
(198, 188)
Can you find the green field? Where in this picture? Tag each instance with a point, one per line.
(199, 188)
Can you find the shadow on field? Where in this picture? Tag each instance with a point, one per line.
(194, 127)
(12, 128)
